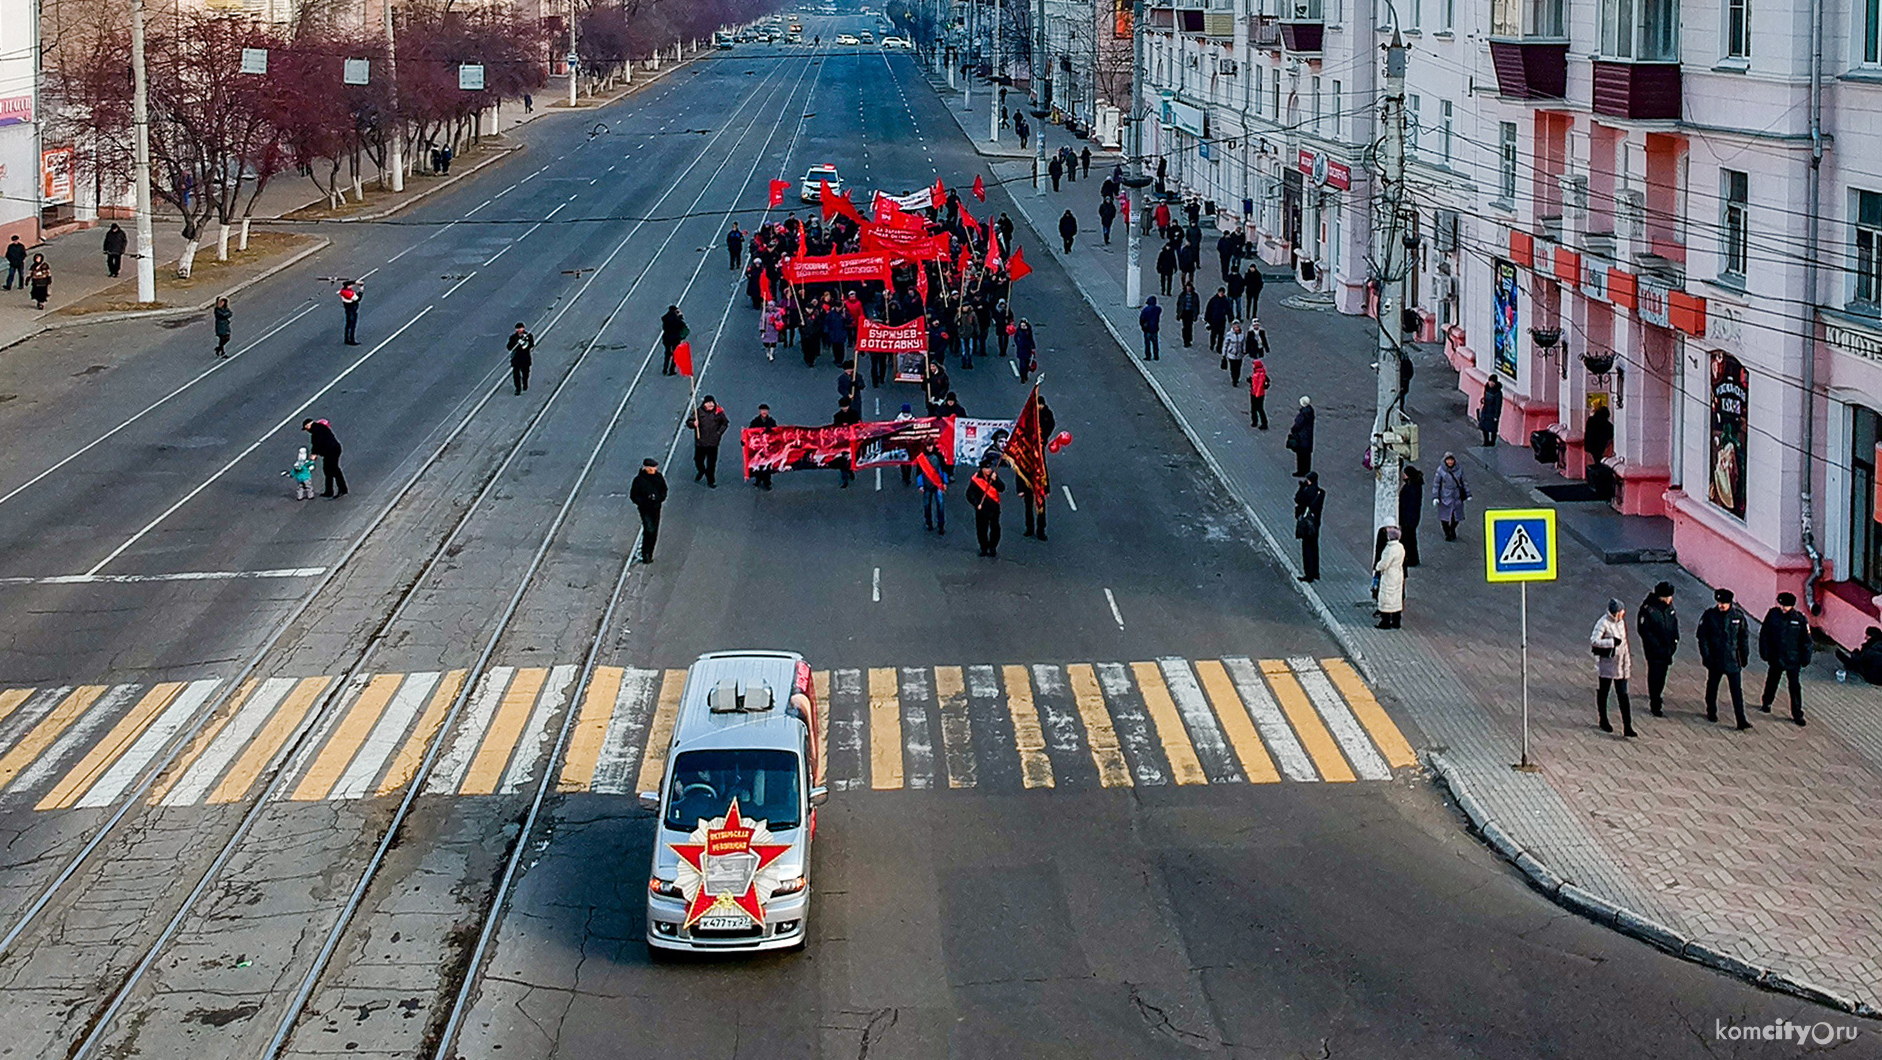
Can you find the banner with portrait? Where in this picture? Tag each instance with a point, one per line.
(888, 443)
(975, 440)
(1504, 332)
(1725, 485)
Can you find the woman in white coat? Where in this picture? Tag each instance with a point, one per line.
(1613, 663)
(1391, 574)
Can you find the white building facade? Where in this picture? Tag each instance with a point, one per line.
(20, 116)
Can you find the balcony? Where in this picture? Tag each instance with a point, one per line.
(1264, 31)
(1530, 67)
(1304, 29)
(1643, 91)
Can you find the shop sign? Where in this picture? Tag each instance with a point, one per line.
(16, 110)
(1183, 116)
(1594, 279)
(1324, 171)
(1651, 304)
(1731, 382)
(1856, 342)
(55, 174)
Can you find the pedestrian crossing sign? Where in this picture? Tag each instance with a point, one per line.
(1519, 545)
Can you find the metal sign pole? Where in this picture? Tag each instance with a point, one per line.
(1525, 765)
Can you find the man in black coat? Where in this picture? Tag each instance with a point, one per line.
(1658, 625)
(764, 422)
(522, 347)
(648, 493)
(1724, 637)
(1068, 229)
(1225, 251)
(1300, 438)
(322, 443)
(709, 424)
(1216, 317)
(1252, 282)
(673, 331)
(1309, 499)
(1188, 308)
(116, 243)
(1107, 216)
(1784, 643)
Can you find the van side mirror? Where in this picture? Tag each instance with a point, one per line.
(819, 796)
(650, 800)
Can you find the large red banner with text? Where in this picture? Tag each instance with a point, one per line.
(911, 337)
(838, 268)
(889, 443)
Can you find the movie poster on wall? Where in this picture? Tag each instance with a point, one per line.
(1504, 331)
(1726, 484)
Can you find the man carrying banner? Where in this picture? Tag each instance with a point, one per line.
(762, 422)
(1026, 452)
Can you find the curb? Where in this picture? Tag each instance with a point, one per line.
(320, 243)
(1580, 900)
(940, 89)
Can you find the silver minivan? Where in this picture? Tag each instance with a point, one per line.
(737, 807)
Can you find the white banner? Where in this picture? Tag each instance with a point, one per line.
(913, 202)
(974, 439)
(470, 77)
(357, 71)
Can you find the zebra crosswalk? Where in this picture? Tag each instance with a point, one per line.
(1009, 727)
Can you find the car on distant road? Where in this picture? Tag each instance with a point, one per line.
(896, 42)
(868, 37)
(808, 191)
(722, 40)
(847, 39)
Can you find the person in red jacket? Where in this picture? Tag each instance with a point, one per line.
(1257, 388)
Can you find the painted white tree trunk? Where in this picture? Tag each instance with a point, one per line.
(243, 245)
(222, 241)
(359, 193)
(187, 261)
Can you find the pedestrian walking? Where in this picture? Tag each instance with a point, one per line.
(1309, 500)
(1068, 229)
(1225, 253)
(1658, 625)
(116, 243)
(1411, 510)
(1215, 317)
(764, 422)
(1107, 215)
(1490, 411)
(322, 443)
(1613, 665)
(673, 331)
(39, 278)
(1258, 392)
(1389, 573)
(1724, 637)
(1024, 130)
(224, 318)
(708, 424)
(1598, 436)
(16, 263)
(1252, 283)
(1186, 258)
(847, 415)
(849, 383)
(983, 492)
(1055, 169)
(522, 347)
(1784, 644)
(1233, 283)
(1084, 162)
(648, 493)
(770, 329)
(1025, 350)
(1150, 318)
(350, 293)
(1300, 437)
(1188, 308)
(811, 337)
(1449, 491)
(302, 472)
(934, 499)
(1234, 348)
(1166, 267)
(1004, 326)
(735, 246)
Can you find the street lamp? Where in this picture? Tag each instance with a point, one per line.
(1135, 178)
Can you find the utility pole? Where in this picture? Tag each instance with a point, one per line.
(993, 64)
(395, 147)
(1041, 109)
(1135, 179)
(571, 62)
(140, 125)
(1389, 258)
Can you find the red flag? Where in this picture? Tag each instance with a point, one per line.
(834, 204)
(966, 259)
(778, 188)
(980, 188)
(921, 281)
(683, 358)
(925, 464)
(764, 285)
(1026, 450)
(993, 252)
(940, 194)
(1016, 267)
(968, 217)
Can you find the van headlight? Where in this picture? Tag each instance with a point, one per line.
(791, 886)
(664, 888)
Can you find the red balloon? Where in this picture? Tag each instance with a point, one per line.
(1063, 439)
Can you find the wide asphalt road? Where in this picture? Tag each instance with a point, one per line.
(1109, 885)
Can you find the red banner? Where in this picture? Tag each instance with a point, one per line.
(885, 444)
(838, 268)
(1026, 450)
(905, 246)
(911, 337)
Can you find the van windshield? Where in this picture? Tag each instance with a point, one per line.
(706, 782)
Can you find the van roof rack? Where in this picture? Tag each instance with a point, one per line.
(732, 697)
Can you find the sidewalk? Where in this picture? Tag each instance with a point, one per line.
(1763, 847)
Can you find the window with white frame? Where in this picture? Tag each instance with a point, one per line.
(1640, 29)
(1547, 18)
(1738, 29)
(1339, 119)
(1316, 104)
(1506, 158)
(1450, 14)
(1506, 19)
(1417, 14)
(1412, 120)
(1735, 223)
(1274, 94)
(1446, 116)
(1868, 237)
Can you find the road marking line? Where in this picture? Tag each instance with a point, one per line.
(257, 444)
(267, 743)
(78, 735)
(504, 192)
(875, 585)
(356, 781)
(413, 750)
(529, 746)
(1116, 615)
(498, 254)
(448, 771)
(1398, 752)
(99, 758)
(500, 738)
(1256, 765)
(555, 211)
(472, 212)
(917, 737)
(878, 480)
(1204, 734)
(11, 699)
(1035, 766)
(1272, 724)
(591, 728)
(183, 778)
(1313, 735)
(368, 274)
(618, 764)
(357, 724)
(177, 576)
(455, 286)
(885, 730)
(957, 738)
(653, 763)
(1068, 497)
(1177, 749)
(1366, 762)
(1100, 737)
(120, 773)
(48, 729)
(846, 730)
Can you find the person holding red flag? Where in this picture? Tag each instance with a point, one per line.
(1026, 451)
(980, 188)
(673, 332)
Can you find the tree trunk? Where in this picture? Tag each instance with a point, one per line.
(243, 246)
(222, 241)
(187, 260)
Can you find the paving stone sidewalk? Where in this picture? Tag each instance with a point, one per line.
(1763, 845)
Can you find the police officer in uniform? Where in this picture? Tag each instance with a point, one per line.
(1724, 637)
(1784, 643)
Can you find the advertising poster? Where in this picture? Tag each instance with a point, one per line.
(1504, 332)
(1726, 484)
(55, 174)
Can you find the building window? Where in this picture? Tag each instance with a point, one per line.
(1339, 119)
(1735, 190)
(1444, 130)
(1274, 97)
(1506, 18)
(1411, 126)
(1506, 156)
(1865, 538)
(1869, 249)
(1872, 31)
(1738, 29)
(1640, 29)
(1547, 18)
(1450, 14)
(1417, 14)
(1316, 104)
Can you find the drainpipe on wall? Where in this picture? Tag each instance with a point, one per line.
(1808, 385)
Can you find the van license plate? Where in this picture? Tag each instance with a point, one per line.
(724, 923)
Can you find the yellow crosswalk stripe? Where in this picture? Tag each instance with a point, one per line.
(200, 743)
(653, 764)
(80, 777)
(1169, 724)
(591, 729)
(1236, 723)
(1035, 766)
(820, 687)
(344, 743)
(1100, 735)
(42, 735)
(500, 738)
(1307, 725)
(273, 735)
(1392, 743)
(885, 729)
(412, 752)
(10, 700)
(957, 742)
